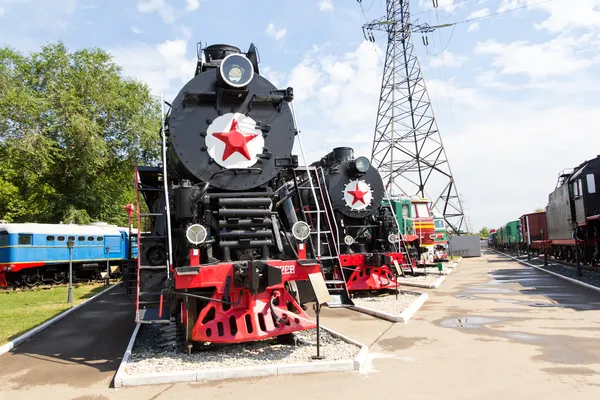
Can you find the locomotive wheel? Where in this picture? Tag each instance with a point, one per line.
(31, 280)
(59, 278)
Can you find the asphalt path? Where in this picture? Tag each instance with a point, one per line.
(80, 350)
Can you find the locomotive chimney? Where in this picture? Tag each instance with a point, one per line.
(216, 52)
(341, 154)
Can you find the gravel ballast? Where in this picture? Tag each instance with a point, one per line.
(428, 279)
(388, 303)
(590, 277)
(147, 358)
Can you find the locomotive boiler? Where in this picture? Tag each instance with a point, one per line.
(365, 232)
(230, 265)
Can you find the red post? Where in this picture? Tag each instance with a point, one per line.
(160, 306)
(130, 208)
(302, 251)
(194, 257)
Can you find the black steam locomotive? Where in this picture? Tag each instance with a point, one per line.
(230, 264)
(361, 227)
(573, 215)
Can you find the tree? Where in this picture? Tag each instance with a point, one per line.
(540, 209)
(484, 232)
(71, 131)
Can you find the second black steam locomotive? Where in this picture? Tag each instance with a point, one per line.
(365, 232)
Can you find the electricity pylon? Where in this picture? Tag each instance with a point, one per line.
(407, 146)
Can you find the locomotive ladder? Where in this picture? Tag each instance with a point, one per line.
(152, 277)
(322, 231)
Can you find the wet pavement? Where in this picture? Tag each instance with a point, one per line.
(493, 330)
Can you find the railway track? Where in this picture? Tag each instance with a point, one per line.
(593, 268)
(590, 274)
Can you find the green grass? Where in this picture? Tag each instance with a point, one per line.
(21, 311)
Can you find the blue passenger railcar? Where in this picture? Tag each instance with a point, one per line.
(32, 253)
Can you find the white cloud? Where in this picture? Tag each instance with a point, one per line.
(277, 34)
(563, 14)
(557, 57)
(448, 59)
(569, 15)
(192, 5)
(169, 70)
(165, 11)
(447, 5)
(336, 99)
(484, 12)
(510, 4)
(325, 5)
(136, 30)
(512, 141)
(473, 27)
(275, 77)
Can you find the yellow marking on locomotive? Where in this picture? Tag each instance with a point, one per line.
(424, 226)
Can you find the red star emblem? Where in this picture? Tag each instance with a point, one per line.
(234, 141)
(358, 195)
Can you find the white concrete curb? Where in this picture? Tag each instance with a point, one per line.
(575, 281)
(403, 317)
(356, 364)
(125, 359)
(15, 342)
(434, 285)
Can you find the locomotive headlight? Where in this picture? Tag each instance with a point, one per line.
(362, 164)
(300, 230)
(348, 240)
(236, 70)
(196, 234)
(392, 238)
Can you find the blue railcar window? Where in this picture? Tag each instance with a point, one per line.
(90, 238)
(3, 239)
(72, 238)
(81, 238)
(61, 238)
(50, 238)
(25, 239)
(99, 238)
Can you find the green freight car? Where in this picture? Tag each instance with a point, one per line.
(508, 237)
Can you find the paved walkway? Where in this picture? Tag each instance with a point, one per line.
(493, 330)
(82, 350)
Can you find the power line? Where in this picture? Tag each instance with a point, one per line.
(426, 28)
(498, 13)
(456, 3)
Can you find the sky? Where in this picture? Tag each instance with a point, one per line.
(514, 84)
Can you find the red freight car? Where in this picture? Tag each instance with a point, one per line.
(534, 231)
